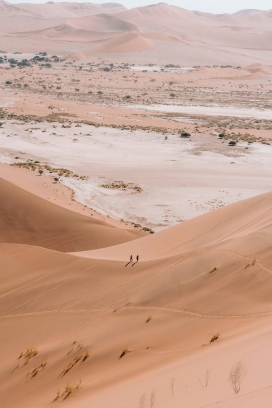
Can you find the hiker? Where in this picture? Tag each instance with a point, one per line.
(137, 258)
(131, 258)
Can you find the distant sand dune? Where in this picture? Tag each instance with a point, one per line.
(240, 38)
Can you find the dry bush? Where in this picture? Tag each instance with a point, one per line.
(69, 389)
(236, 376)
(206, 379)
(148, 319)
(30, 353)
(124, 352)
(76, 360)
(152, 398)
(86, 355)
(71, 365)
(38, 369)
(214, 338)
(142, 401)
(172, 385)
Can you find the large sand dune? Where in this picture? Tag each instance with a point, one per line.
(206, 276)
(240, 38)
(187, 322)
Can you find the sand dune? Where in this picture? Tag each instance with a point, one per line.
(28, 219)
(101, 23)
(258, 69)
(68, 9)
(239, 38)
(126, 43)
(216, 227)
(204, 277)
(189, 324)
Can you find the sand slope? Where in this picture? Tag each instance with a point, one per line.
(206, 276)
(28, 219)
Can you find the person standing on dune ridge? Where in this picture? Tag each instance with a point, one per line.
(137, 258)
(131, 258)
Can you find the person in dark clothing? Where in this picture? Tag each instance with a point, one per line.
(131, 258)
(137, 258)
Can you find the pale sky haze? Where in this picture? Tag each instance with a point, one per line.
(209, 6)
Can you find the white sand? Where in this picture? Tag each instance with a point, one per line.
(209, 110)
(180, 179)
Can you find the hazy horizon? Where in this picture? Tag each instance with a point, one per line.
(210, 6)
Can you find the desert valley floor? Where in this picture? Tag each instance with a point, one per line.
(144, 132)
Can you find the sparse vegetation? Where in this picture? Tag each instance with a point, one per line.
(214, 338)
(185, 134)
(206, 379)
(124, 352)
(142, 401)
(172, 385)
(236, 376)
(120, 185)
(38, 369)
(153, 398)
(69, 389)
(28, 355)
(232, 143)
(78, 359)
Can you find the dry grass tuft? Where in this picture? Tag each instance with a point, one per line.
(75, 361)
(30, 353)
(69, 389)
(236, 376)
(214, 338)
(124, 352)
(38, 369)
(86, 355)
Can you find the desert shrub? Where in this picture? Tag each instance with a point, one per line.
(185, 134)
(124, 352)
(214, 338)
(236, 376)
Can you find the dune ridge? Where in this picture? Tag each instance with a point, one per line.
(183, 283)
(240, 37)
